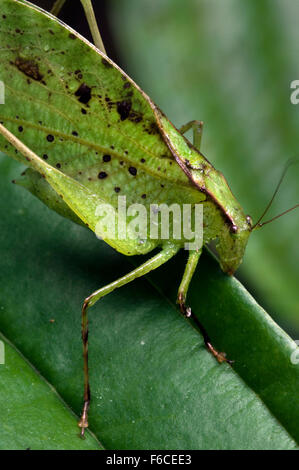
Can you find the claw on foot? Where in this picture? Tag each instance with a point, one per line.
(83, 423)
(187, 312)
(220, 356)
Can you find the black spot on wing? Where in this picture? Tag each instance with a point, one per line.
(29, 68)
(133, 170)
(124, 108)
(83, 93)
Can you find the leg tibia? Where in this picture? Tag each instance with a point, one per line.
(187, 312)
(188, 274)
(168, 252)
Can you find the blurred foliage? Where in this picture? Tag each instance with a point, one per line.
(230, 63)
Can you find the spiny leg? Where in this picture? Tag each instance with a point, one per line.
(197, 127)
(187, 312)
(167, 252)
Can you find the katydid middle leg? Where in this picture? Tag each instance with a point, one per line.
(197, 127)
(167, 252)
(187, 312)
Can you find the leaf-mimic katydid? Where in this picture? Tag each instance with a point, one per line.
(90, 135)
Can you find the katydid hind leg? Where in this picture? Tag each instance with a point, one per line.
(197, 128)
(166, 254)
(187, 312)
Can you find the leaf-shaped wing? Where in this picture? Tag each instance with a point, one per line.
(76, 109)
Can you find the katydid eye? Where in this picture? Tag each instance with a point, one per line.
(233, 229)
(249, 220)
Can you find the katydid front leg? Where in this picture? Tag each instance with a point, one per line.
(187, 312)
(167, 252)
(197, 127)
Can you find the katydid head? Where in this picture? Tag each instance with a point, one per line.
(233, 239)
(232, 243)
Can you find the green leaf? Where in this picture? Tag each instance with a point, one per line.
(153, 383)
(230, 64)
(33, 416)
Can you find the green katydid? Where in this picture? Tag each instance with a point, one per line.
(89, 134)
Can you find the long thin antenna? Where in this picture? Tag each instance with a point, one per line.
(277, 216)
(288, 164)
